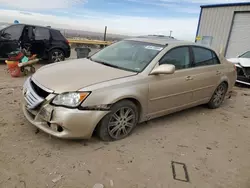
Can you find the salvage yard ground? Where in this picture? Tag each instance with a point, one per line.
(214, 145)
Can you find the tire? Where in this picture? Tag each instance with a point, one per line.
(25, 72)
(119, 123)
(56, 55)
(32, 69)
(218, 96)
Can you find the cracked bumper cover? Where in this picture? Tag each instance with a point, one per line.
(74, 123)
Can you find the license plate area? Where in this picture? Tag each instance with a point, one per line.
(46, 113)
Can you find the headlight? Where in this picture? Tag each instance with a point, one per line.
(70, 99)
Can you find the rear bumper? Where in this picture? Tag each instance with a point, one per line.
(64, 122)
(67, 53)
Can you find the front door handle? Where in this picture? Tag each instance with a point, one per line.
(189, 78)
(218, 72)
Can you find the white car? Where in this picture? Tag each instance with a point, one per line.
(242, 63)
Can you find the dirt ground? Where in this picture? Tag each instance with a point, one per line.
(214, 145)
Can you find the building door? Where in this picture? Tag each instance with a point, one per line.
(239, 41)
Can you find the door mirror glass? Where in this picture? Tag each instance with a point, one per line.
(163, 69)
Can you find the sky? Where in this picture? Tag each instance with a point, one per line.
(128, 17)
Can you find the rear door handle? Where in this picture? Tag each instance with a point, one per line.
(189, 78)
(218, 72)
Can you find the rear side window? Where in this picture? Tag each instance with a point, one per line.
(57, 35)
(215, 58)
(203, 57)
(13, 32)
(41, 33)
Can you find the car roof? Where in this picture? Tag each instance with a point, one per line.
(166, 41)
(48, 27)
(160, 39)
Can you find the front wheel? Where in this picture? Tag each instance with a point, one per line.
(119, 123)
(56, 55)
(218, 96)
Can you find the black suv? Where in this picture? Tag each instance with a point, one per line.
(46, 42)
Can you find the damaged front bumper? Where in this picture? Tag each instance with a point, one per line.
(243, 75)
(63, 122)
(57, 121)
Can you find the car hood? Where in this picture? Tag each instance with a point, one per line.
(73, 75)
(244, 62)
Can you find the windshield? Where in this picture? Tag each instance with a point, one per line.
(128, 55)
(246, 55)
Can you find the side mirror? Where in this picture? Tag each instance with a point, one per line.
(163, 69)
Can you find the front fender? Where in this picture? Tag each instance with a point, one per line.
(113, 95)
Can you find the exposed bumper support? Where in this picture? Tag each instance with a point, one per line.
(242, 82)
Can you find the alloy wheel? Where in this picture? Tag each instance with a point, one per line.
(57, 56)
(121, 123)
(219, 95)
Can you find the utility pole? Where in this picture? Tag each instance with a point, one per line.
(170, 33)
(105, 33)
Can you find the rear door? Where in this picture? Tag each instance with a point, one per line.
(40, 41)
(206, 73)
(9, 39)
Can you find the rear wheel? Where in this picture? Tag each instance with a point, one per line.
(218, 96)
(56, 55)
(120, 122)
(32, 69)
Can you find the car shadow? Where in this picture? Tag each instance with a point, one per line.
(202, 109)
(94, 143)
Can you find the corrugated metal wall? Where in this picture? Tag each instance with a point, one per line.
(216, 22)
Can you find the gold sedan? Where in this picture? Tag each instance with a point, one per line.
(126, 83)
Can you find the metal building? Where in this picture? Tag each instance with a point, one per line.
(225, 27)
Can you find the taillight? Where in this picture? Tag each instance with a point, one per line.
(67, 41)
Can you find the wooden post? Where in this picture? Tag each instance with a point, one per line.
(105, 33)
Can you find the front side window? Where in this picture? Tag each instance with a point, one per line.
(203, 57)
(13, 32)
(128, 55)
(179, 57)
(245, 55)
(41, 33)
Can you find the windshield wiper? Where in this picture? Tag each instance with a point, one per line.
(105, 63)
(111, 65)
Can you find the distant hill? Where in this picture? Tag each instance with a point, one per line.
(71, 33)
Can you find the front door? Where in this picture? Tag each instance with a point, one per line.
(168, 93)
(9, 39)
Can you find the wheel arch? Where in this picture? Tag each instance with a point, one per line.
(225, 80)
(56, 48)
(133, 100)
